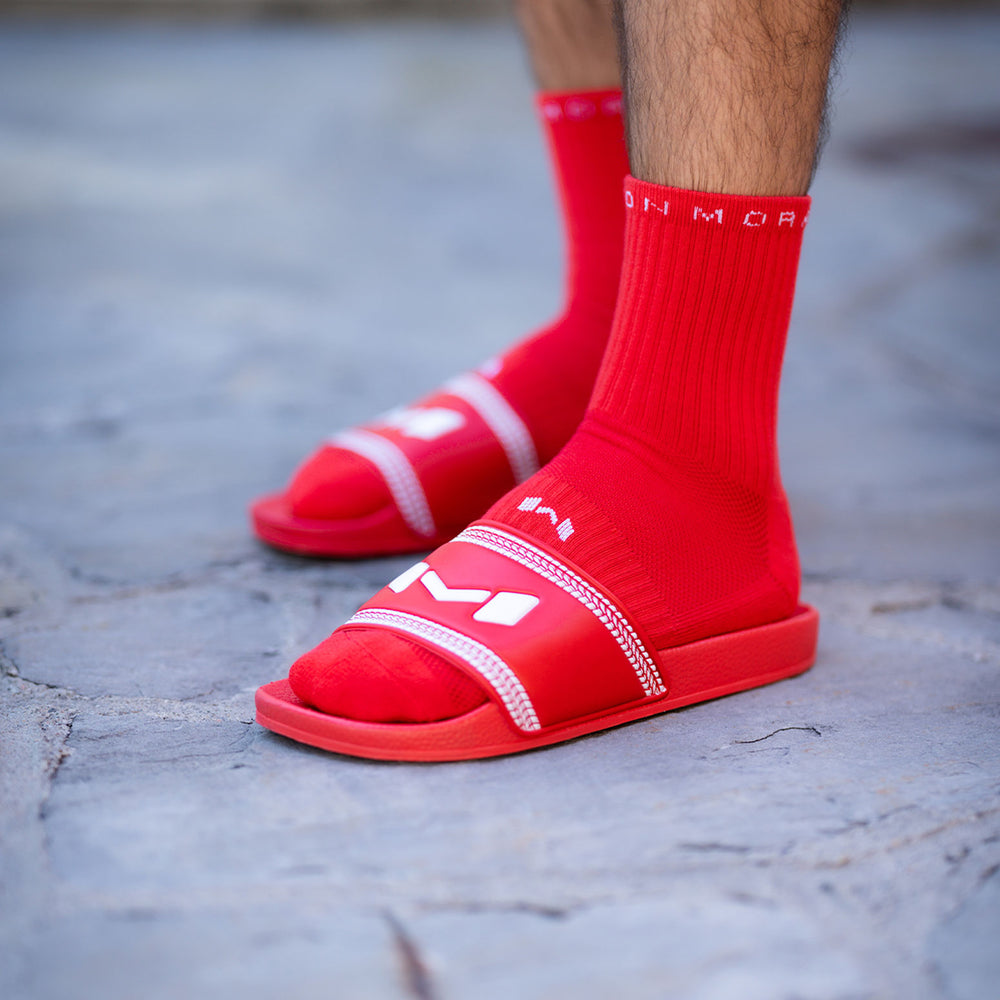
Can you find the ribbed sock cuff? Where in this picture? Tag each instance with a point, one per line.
(771, 213)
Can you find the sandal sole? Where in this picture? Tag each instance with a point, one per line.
(377, 534)
(698, 671)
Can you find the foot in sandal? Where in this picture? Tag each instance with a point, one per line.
(650, 565)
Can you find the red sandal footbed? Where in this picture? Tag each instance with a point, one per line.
(557, 654)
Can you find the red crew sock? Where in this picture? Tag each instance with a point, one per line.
(548, 377)
(671, 482)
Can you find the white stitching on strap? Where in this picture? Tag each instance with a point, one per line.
(483, 660)
(499, 416)
(398, 473)
(562, 576)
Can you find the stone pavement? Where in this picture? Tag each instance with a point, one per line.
(216, 245)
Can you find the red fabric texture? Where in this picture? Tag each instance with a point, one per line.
(672, 479)
(548, 377)
(671, 482)
(376, 676)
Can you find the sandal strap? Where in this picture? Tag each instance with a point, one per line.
(483, 660)
(385, 443)
(399, 475)
(507, 427)
(534, 557)
(545, 640)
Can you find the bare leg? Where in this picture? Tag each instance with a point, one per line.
(727, 95)
(571, 43)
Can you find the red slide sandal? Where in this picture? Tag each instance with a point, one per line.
(555, 651)
(414, 452)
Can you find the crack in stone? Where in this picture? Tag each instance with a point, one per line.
(516, 906)
(172, 581)
(212, 573)
(907, 840)
(236, 746)
(986, 875)
(856, 604)
(178, 709)
(139, 590)
(416, 976)
(207, 573)
(895, 607)
(64, 750)
(784, 729)
(955, 602)
(8, 668)
(957, 857)
(708, 847)
(52, 770)
(849, 825)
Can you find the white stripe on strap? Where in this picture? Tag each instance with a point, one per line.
(499, 416)
(398, 473)
(609, 615)
(480, 658)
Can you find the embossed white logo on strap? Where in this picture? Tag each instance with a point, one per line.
(482, 660)
(503, 608)
(427, 423)
(506, 608)
(606, 612)
(437, 588)
(399, 476)
(501, 419)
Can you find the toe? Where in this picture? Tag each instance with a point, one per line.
(335, 484)
(377, 676)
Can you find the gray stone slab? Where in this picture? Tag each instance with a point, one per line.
(669, 793)
(695, 944)
(34, 727)
(218, 629)
(179, 640)
(860, 795)
(282, 951)
(963, 948)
